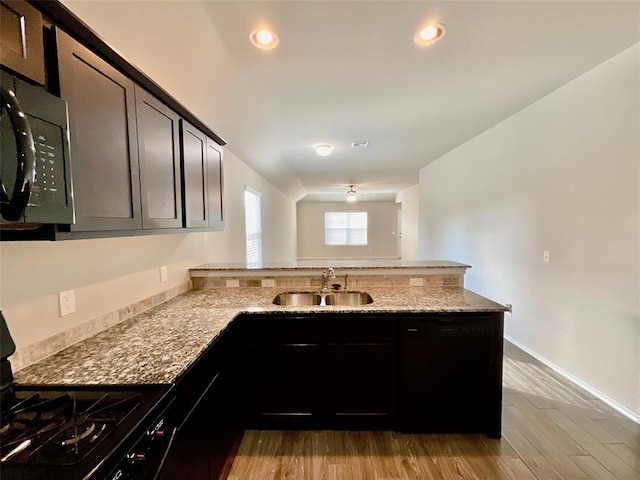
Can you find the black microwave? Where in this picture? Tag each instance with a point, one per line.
(35, 174)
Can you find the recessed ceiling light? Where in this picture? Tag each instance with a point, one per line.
(324, 150)
(430, 34)
(264, 38)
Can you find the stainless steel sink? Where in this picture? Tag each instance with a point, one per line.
(294, 299)
(348, 298)
(298, 299)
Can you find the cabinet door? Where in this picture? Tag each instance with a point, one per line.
(362, 363)
(224, 435)
(190, 453)
(215, 184)
(362, 384)
(286, 385)
(159, 153)
(202, 179)
(21, 39)
(447, 380)
(194, 169)
(104, 153)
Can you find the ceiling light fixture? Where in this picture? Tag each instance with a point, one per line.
(430, 34)
(264, 38)
(351, 194)
(324, 150)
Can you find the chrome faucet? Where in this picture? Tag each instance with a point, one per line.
(327, 274)
(346, 281)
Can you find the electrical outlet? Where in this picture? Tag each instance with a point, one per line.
(233, 283)
(268, 282)
(163, 273)
(545, 256)
(67, 302)
(416, 282)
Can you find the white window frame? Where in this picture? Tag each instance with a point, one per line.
(253, 227)
(348, 235)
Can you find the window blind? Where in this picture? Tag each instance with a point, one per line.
(253, 223)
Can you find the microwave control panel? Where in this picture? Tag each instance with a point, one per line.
(50, 184)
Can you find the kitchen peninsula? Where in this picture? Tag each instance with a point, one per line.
(424, 358)
(135, 351)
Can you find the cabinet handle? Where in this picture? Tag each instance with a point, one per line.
(412, 329)
(13, 207)
(444, 321)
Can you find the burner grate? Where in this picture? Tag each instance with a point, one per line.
(60, 429)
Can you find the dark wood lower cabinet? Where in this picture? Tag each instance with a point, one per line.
(361, 385)
(362, 365)
(420, 373)
(286, 385)
(451, 373)
(190, 453)
(325, 371)
(207, 434)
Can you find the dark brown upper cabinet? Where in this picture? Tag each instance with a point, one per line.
(21, 39)
(159, 153)
(104, 149)
(194, 167)
(134, 167)
(215, 178)
(202, 176)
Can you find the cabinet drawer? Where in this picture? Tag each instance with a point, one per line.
(283, 330)
(450, 325)
(350, 328)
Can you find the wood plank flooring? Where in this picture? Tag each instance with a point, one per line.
(551, 430)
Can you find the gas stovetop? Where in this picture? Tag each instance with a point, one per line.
(45, 428)
(71, 432)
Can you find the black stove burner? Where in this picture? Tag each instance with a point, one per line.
(68, 432)
(61, 429)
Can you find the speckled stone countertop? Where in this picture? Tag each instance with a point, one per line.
(158, 345)
(304, 265)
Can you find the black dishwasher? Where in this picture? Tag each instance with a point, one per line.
(451, 379)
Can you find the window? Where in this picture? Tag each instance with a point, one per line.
(345, 228)
(253, 223)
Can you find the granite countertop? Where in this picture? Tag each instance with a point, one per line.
(158, 345)
(304, 265)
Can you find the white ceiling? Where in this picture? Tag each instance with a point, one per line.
(349, 71)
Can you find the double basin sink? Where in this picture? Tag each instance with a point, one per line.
(295, 299)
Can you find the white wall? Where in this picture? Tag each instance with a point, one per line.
(278, 218)
(409, 199)
(381, 230)
(561, 175)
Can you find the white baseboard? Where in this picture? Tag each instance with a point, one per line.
(572, 378)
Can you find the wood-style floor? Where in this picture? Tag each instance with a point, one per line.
(551, 430)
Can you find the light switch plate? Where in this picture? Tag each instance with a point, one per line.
(268, 282)
(546, 256)
(163, 273)
(233, 283)
(416, 282)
